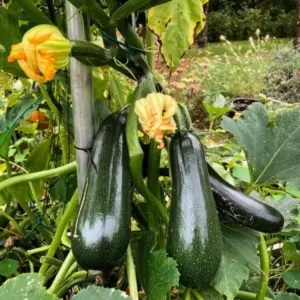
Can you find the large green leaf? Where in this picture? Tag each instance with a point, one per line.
(96, 293)
(239, 257)
(25, 286)
(157, 272)
(4, 138)
(273, 149)
(101, 112)
(175, 23)
(117, 90)
(9, 34)
(39, 161)
(288, 207)
(292, 278)
(216, 106)
(8, 266)
(286, 296)
(290, 252)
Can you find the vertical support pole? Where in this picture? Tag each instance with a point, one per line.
(82, 97)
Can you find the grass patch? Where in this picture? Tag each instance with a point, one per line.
(222, 49)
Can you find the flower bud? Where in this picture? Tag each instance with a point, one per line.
(42, 52)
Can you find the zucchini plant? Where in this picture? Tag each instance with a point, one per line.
(153, 220)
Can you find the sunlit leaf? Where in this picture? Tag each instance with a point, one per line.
(175, 23)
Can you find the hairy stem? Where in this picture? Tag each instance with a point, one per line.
(187, 294)
(61, 273)
(265, 269)
(71, 167)
(38, 250)
(248, 296)
(274, 240)
(152, 183)
(150, 46)
(70, 211)
(196, 294)
(51, 261)
(130, 267)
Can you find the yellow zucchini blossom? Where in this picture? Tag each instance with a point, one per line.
(155, 114)
(42, 52)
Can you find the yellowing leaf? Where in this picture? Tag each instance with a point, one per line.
(175, 24)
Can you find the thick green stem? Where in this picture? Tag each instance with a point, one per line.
(8, 168)
(187, 294)
(71, 167)
(74, 282)
(150, 47)
(33, 12)
(71, 270)
(61, 273)
(274, 240)
(152, 183)
(13, 221)
(70, 211)
(21, 251)
(51, 261)
(248, 296)
(265, 269)
(38, 250)
(77, 275)
(130, 267)
(50, 272)
(197, 295)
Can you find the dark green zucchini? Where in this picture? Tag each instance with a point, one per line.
(194, 235)
(242, 208)
(102, 230)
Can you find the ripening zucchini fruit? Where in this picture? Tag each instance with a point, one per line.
(102, 230)
(194, 235)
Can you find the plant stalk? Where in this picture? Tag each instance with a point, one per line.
(152, 183)
(265, 269)
(70, 211)
(130, 267)
(61, 273)
(71, 167)
(248, 296)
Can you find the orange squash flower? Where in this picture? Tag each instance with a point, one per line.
(42, 52)
(155, 113)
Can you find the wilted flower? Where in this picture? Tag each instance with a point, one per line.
(155, 113)
(42, 52)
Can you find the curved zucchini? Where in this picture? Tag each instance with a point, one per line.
(242, 208)
(102, 230)
(194, 234)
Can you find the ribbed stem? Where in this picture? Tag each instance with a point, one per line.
(265, 269)
(70, 211)
(130, 267)
(61, 273)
